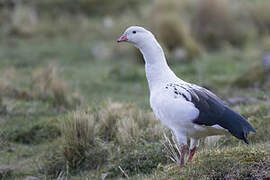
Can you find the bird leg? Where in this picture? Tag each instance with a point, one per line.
(191, 154)
(183, 150)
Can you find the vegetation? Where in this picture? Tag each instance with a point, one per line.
(74, 104)
(241, 162)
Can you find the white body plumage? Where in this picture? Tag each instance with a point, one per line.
(190, 111)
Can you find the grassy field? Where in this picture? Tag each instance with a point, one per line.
(74, 104)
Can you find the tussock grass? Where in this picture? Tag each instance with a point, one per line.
(47, 85)
(52, 164)
(23, 20)
(124, 141)
(80, 144)
(214, 24)
(125, 123)
(219, 21)
(175, 34)
(7, 87)
(260, 15)
(170, 26)
(108, 136)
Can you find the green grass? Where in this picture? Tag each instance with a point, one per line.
(31, 126)
(236, 162)
(33, 141)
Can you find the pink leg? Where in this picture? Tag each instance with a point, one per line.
(191, 154)
(183, 150)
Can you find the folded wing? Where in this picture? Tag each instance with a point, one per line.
(213, 111)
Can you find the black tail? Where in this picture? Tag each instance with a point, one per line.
(236, 124)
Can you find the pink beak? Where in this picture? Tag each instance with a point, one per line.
(122, 39)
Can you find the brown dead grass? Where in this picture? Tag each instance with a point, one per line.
(216, 22)
(167, 21)
(46, 84)
(91, 136)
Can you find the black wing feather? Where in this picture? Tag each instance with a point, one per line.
(213, 111)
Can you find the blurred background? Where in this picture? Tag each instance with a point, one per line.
(60, 57)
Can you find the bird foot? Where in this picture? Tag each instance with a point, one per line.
(191, 154)
(183, 150)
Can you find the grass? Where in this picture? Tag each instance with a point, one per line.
(128, 145)
(57, 122)
(33, 124)
(95, 138)
(234, 162)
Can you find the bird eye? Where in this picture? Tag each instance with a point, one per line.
(134, 32)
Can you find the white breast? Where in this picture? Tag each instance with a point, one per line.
(171, 111)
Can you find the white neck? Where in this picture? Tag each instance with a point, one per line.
(156, 67)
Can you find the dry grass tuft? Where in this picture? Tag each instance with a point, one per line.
(80, 143)
(138, 125)
(174, 34)
(168, 23)
(52, 163)
(6, 86)
(23, 20)
(216, 22)
(259, 12)
(107, 118)
(125, 123)
(47, 85)
(93, 136)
